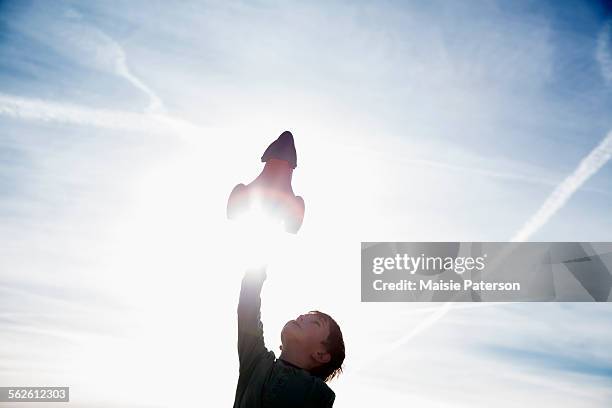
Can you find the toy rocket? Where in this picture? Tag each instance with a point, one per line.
(271, 191)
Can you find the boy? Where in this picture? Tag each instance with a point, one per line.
(312, 353)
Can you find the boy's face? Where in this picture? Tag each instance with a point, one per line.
(307, 334)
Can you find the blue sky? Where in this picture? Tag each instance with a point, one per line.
(124, 126)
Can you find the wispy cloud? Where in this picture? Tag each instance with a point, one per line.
(70, 35)
(95, 47)
(603, 53)
(588, 166)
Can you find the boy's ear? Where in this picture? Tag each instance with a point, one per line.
(321, 357)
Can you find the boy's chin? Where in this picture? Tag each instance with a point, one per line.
(289, 332)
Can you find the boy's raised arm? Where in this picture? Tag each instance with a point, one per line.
(250, 328)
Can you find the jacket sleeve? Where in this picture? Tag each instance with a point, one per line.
(250, 328)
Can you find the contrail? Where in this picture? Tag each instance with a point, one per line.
(47, 111)
(598, 157)
(121, 68)
(92, 46)
(587, 167)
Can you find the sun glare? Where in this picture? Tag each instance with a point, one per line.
(258, 236)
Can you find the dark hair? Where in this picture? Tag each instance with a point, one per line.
(334, 345)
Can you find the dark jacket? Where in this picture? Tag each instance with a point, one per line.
(264, 380)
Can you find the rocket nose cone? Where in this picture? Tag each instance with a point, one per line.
(286, 137)
(282, 148)
(285, 141)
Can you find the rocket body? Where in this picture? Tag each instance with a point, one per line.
(271, 192)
